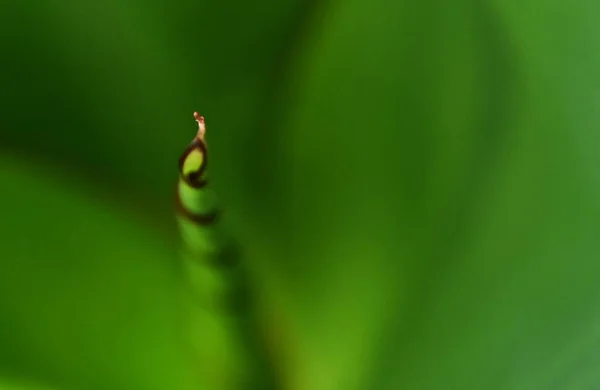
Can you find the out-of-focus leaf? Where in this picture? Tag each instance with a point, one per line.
(87, 296)
(12, 384)
(431, 201)
(415, 184)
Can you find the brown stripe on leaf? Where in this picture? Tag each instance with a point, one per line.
(193, 181)
(201, 219)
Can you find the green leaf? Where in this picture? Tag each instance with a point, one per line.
(414, 184)
(433, 196)
(87, 294)
(12, 384)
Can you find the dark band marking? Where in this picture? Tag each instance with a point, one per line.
(200, 219)
(236, 297)
(194, 179)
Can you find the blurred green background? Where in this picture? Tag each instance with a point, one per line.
(415, 184)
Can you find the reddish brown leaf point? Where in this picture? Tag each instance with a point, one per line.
(201, 125)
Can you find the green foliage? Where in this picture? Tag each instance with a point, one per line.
(86, 301)
(414, 183)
